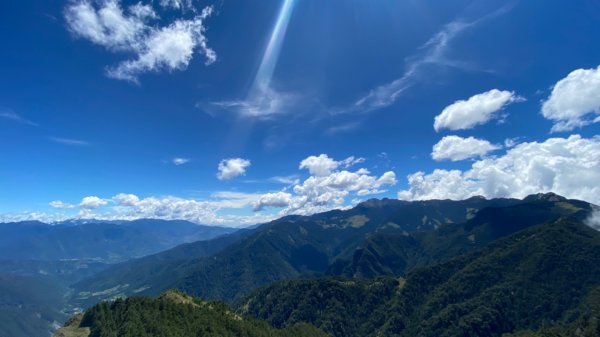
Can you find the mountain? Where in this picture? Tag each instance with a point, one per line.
(150, 274)
(39, 261)
(536, 277)
(173, 314)
(396, 253)
(30, 305)
(98, 241)
(286, 248)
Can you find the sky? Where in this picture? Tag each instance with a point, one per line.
(236, 112)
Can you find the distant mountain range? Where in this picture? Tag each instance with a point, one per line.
(39, 261)
(524, 268)
(107, 242)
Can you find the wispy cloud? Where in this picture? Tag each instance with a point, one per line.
(433, 52)
(70, 141)
(265, 103)
(9, 115)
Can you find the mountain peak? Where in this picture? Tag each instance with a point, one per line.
(550, 196)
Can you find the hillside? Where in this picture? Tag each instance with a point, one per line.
(150, 274)
(537, 277)
(172, 314)
(285, 248)
(395, 253)
(30, 305)
(38, 263)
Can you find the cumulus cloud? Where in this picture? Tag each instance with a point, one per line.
(478, 109)
(574, 101)
(231, 168)
(327, 187)
(567, 166)
(322, 165)
(180, 161)
(278, 199)
(136, 30)
(92, 202)
(319, 166)
(123, 199)
(456, 148)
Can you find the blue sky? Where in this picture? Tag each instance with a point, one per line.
(236, 112)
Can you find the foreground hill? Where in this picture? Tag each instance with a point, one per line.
(286, 248)
(173, 314)
(537, 277)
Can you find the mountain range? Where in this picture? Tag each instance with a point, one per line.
(474, 267)
(39, 261)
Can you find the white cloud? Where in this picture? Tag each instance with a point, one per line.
(169, 47)
(278, 199)
(593, 220)
(511, 142)
(478, 109)
(567, 166)
(123, 199)
(231, 168)
(456, 148)
(336, 189)
(574, 101)
(92, 202)
(319, 166)
(180, 161)
(327, 187)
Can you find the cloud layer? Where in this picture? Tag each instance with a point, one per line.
(330, 185)
(567, 166)
(456, 148)
(478, 109)
(137, 30)
(575, 100)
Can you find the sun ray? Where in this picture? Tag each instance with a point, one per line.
(273, 49)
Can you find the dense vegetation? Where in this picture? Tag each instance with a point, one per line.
(175, 314)
(534, 278)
